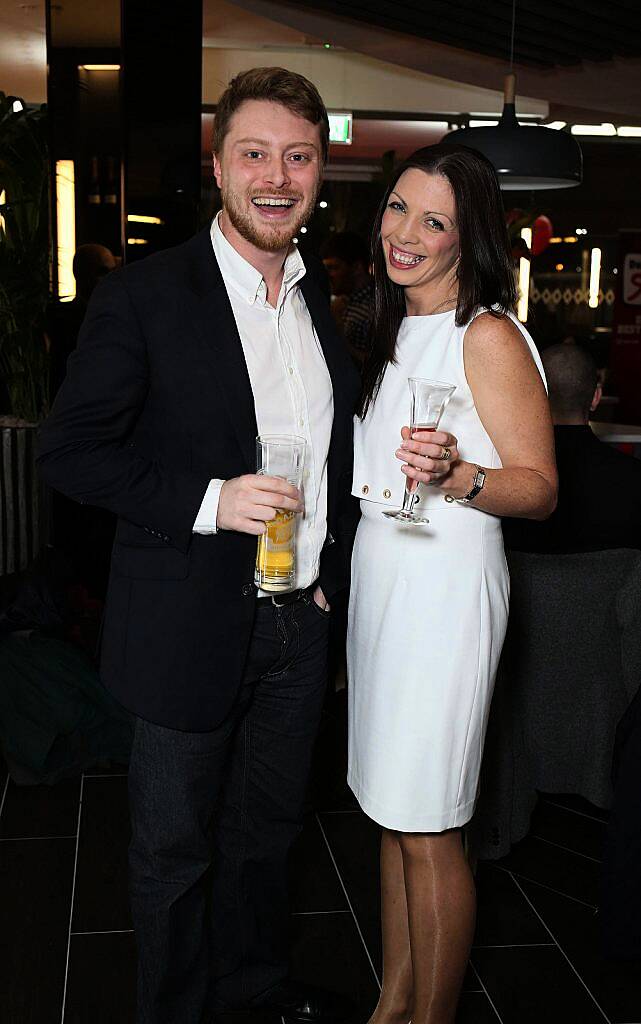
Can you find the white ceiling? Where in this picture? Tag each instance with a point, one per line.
(274, 24)
(23, 51)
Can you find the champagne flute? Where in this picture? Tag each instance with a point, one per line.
(428, 399)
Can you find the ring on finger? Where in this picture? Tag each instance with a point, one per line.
(446, 453)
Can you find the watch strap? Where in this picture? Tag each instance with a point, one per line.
(477, 486)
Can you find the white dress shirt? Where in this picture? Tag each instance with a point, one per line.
(291, 386)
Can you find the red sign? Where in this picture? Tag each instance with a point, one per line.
(625, 356)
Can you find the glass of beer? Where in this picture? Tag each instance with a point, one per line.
(428, 399)
(281, 455)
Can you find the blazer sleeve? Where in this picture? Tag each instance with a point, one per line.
(85, 449)
(336, 556)
(335, 560)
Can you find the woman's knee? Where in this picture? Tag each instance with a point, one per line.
(431, 845)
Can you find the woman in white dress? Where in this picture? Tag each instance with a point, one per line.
(428, 606)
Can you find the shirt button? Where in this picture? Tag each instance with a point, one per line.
(291, 369)
(387, 493)
(364, 489)
(301, 423)
(247, 589)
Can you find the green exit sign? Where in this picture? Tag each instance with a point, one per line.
(340, 129)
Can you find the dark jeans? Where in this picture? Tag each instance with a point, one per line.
(214, 815)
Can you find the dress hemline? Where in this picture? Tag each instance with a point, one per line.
(388, 818)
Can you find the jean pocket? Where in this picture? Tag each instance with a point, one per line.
(321, 612)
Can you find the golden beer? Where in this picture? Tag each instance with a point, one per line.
(275, 554)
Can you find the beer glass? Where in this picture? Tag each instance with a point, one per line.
(428, 399)
(281, 455)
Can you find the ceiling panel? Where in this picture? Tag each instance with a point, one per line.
(548, 33)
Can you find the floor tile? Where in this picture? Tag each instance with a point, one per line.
(101, 985)
(615, 986)
(471, 981)
(504, 916)
(355, 841)
(559, 869)
(109, 768)
(314, 883)
(327, 951)
(577, 804)
(475, 1008)
(40, 810)
(529, 986)
(560, 825)
(101, 902)
(35, 896)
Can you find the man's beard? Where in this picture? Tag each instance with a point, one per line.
(268, 237)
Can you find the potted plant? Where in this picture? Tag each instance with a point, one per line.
(24, 293)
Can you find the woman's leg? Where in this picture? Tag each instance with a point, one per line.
(394, 1005)
(441, 907)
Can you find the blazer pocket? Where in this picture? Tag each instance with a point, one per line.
(147, 563)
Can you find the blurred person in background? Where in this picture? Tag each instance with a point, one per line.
(346, 257)
(84, 533)
(599, 504)
(91, 263)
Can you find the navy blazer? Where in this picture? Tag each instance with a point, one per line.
(157, 401)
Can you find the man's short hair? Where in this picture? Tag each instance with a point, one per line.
(572, 378)
(277, 85)
(347, 246)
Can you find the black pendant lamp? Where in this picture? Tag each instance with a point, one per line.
(525, 158)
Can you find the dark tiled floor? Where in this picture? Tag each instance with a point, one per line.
(68, 954)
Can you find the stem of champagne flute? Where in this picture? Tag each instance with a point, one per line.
(409, 496)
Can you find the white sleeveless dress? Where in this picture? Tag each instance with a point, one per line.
(428, 606)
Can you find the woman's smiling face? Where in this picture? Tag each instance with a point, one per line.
(419, 232)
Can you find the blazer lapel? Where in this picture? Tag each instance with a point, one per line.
(215, 323)
(319, 311)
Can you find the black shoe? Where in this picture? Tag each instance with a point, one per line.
(305, 1004)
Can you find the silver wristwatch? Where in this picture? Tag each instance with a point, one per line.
(477, 486)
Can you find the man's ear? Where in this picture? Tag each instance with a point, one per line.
(217, 169)
(596, 398)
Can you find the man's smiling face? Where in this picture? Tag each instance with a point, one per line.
(269, 173)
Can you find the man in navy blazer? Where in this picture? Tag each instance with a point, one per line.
(183, 359)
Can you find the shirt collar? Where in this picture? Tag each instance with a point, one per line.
(241, 276)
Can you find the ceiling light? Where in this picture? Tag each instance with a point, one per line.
(483, 124)
(323, 204)
(570, 239)
(627, 131)
(100, 67)
(303, 230)
(525, 160)
(593, 129)
(17, 106)
(555, 125)
(558, 266)
(141, 218)
(137, 241)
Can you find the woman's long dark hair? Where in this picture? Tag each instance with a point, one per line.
(484, 271)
